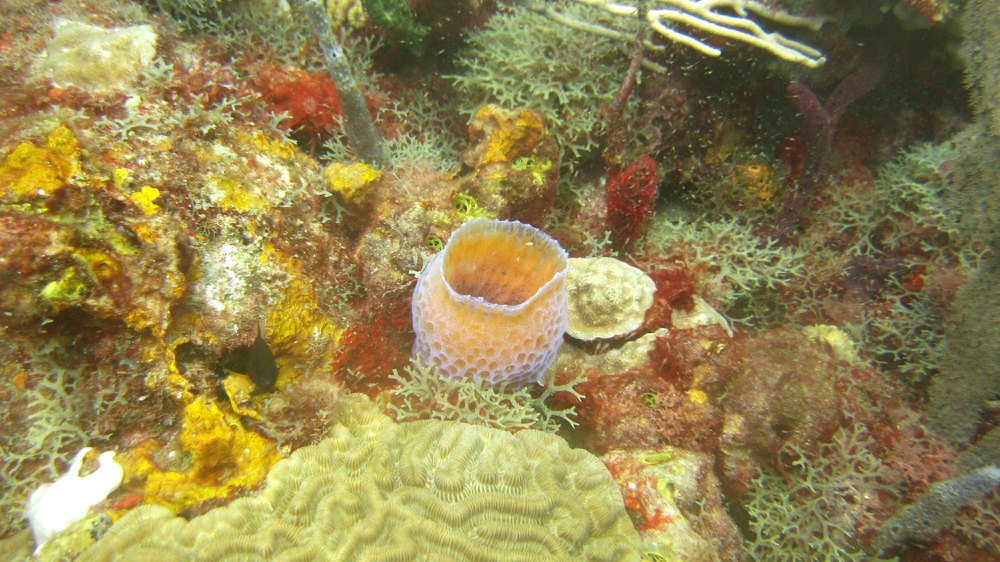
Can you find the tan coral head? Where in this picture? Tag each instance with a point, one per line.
(492, 304)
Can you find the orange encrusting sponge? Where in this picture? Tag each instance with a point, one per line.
(492, 304)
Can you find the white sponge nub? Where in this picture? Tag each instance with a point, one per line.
(54, 507)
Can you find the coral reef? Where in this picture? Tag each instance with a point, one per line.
(821, 508)
(515, 162)
(713, 18)
(220, 224)
(424, 393)
(215, 457)
(676, 504)
(522, 58)
(783, 396)
(733, 267)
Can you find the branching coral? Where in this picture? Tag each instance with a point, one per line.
(818, 511)
(904, 211)
(730, 262)
(726, 18)
(424, 393)
(904, 226)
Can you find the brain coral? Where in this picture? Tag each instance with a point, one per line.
(377, 490)
(492, 304)
(607, 298)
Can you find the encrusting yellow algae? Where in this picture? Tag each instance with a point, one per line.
(240, 388)
(145, 198)
(354, 183)
(272, 147)
(41, 170)
(228, 193)
(222, 458)
(514, 129)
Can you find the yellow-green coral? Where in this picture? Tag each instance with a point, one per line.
(346, 14)
(510, 132)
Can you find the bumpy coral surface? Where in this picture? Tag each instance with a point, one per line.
(376, 490)
(492, 304)
(607, 298)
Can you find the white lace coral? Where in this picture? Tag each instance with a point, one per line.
(693, 23)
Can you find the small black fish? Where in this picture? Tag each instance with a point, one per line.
(261, 367)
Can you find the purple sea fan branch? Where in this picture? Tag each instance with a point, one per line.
(819, 122)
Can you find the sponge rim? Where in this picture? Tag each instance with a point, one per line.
(516, 227)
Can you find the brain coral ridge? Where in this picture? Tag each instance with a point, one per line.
(378, 490)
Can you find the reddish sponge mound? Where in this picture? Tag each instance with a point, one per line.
(492, 304)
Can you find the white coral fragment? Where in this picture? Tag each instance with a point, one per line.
(701, 314)
(54, 507)
(96, 59)
(607, 298)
